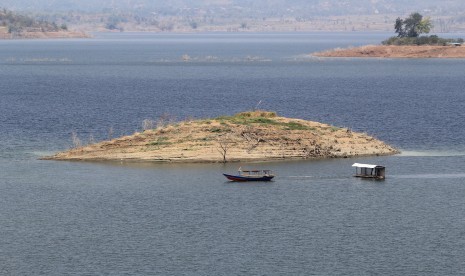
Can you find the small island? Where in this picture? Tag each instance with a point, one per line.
(407, 44)
(394, 51)
(246, 136)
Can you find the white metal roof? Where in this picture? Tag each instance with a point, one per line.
(358, 165)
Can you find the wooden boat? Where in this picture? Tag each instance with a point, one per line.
(369, 171)
(252, 175)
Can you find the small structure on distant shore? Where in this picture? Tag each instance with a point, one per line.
(369, 171)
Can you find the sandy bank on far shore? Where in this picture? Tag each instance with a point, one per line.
(45, 35)
(392, 51)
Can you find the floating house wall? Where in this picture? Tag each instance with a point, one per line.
(380, 172)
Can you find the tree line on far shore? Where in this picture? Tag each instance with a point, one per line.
(409, 30)
(17, 23)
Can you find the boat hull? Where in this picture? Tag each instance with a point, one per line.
(248, 178)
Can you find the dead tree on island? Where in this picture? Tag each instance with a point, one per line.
(224, 143)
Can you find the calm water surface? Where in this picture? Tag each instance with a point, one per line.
(69, 218)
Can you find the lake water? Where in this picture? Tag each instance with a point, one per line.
(71, 218)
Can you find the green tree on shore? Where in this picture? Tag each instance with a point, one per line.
(17, 23)
(412, 26)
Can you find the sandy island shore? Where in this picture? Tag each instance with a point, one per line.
(248, 136)
(392, 51)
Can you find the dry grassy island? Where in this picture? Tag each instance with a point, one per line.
(395, 51)
(408, 43)
(247, 136)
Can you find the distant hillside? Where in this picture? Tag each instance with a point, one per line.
(241, 15)
(247, 7)
(17, 23)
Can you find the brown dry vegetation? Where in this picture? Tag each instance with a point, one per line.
(392, 51)
(248, 136)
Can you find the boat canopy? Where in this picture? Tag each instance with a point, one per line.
(369, 171)
(368, 166)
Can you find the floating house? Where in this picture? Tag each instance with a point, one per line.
(369, 171)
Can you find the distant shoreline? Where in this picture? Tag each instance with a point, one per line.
(392, 51)
(44, 35)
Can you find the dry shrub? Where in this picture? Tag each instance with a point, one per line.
(147, 124)
(76, 141)
(257, 113)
